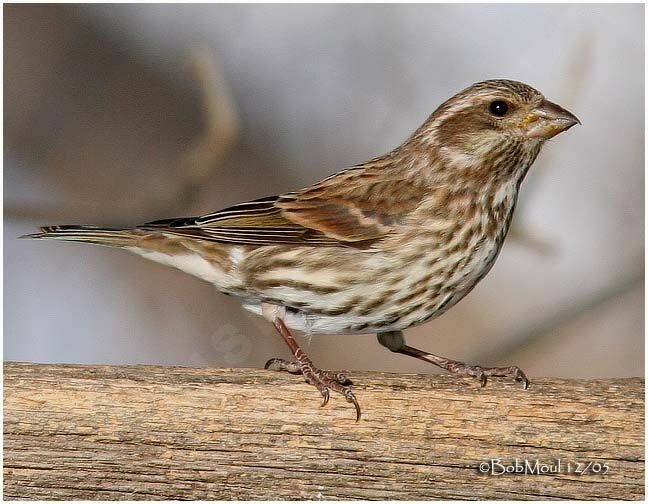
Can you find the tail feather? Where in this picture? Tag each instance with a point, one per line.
(86, 234)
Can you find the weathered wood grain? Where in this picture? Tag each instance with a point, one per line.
(145, 432)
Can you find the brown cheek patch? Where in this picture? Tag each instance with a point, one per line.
(458, 128)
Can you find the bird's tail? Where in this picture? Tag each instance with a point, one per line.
(87, 234)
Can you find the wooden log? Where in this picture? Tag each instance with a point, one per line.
(148, 432)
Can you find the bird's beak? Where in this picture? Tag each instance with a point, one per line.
(547, 120)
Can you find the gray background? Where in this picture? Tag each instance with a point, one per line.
(104, 120)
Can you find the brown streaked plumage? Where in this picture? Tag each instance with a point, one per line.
(378, 247)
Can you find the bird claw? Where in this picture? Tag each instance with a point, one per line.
(341, 379)
(521, 377)
(277, 364)
(325, 396)
(482, 373)
(350, 397)
(324, 381)
(514, 371)
(272, 364)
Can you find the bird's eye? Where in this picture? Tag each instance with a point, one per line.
(498, 108)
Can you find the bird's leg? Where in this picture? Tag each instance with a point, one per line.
(395, 341)
(324, 381)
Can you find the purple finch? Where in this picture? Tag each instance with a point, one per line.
(375, 248)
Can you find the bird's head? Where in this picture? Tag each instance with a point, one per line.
(492, 120)
(496, 111)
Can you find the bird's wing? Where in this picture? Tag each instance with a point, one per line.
(348, 209)
(258, 222)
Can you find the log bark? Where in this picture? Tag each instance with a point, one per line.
(148, 432)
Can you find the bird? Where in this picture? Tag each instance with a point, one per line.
(378, 247)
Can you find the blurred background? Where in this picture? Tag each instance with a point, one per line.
(119, 114)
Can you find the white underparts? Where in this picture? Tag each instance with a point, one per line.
(190, 262)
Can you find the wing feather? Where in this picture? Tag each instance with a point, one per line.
(355, 207)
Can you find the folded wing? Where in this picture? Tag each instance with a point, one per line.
(335, 212)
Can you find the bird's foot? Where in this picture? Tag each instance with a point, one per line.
(396, 343)
(324, 381)
(482, 373)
